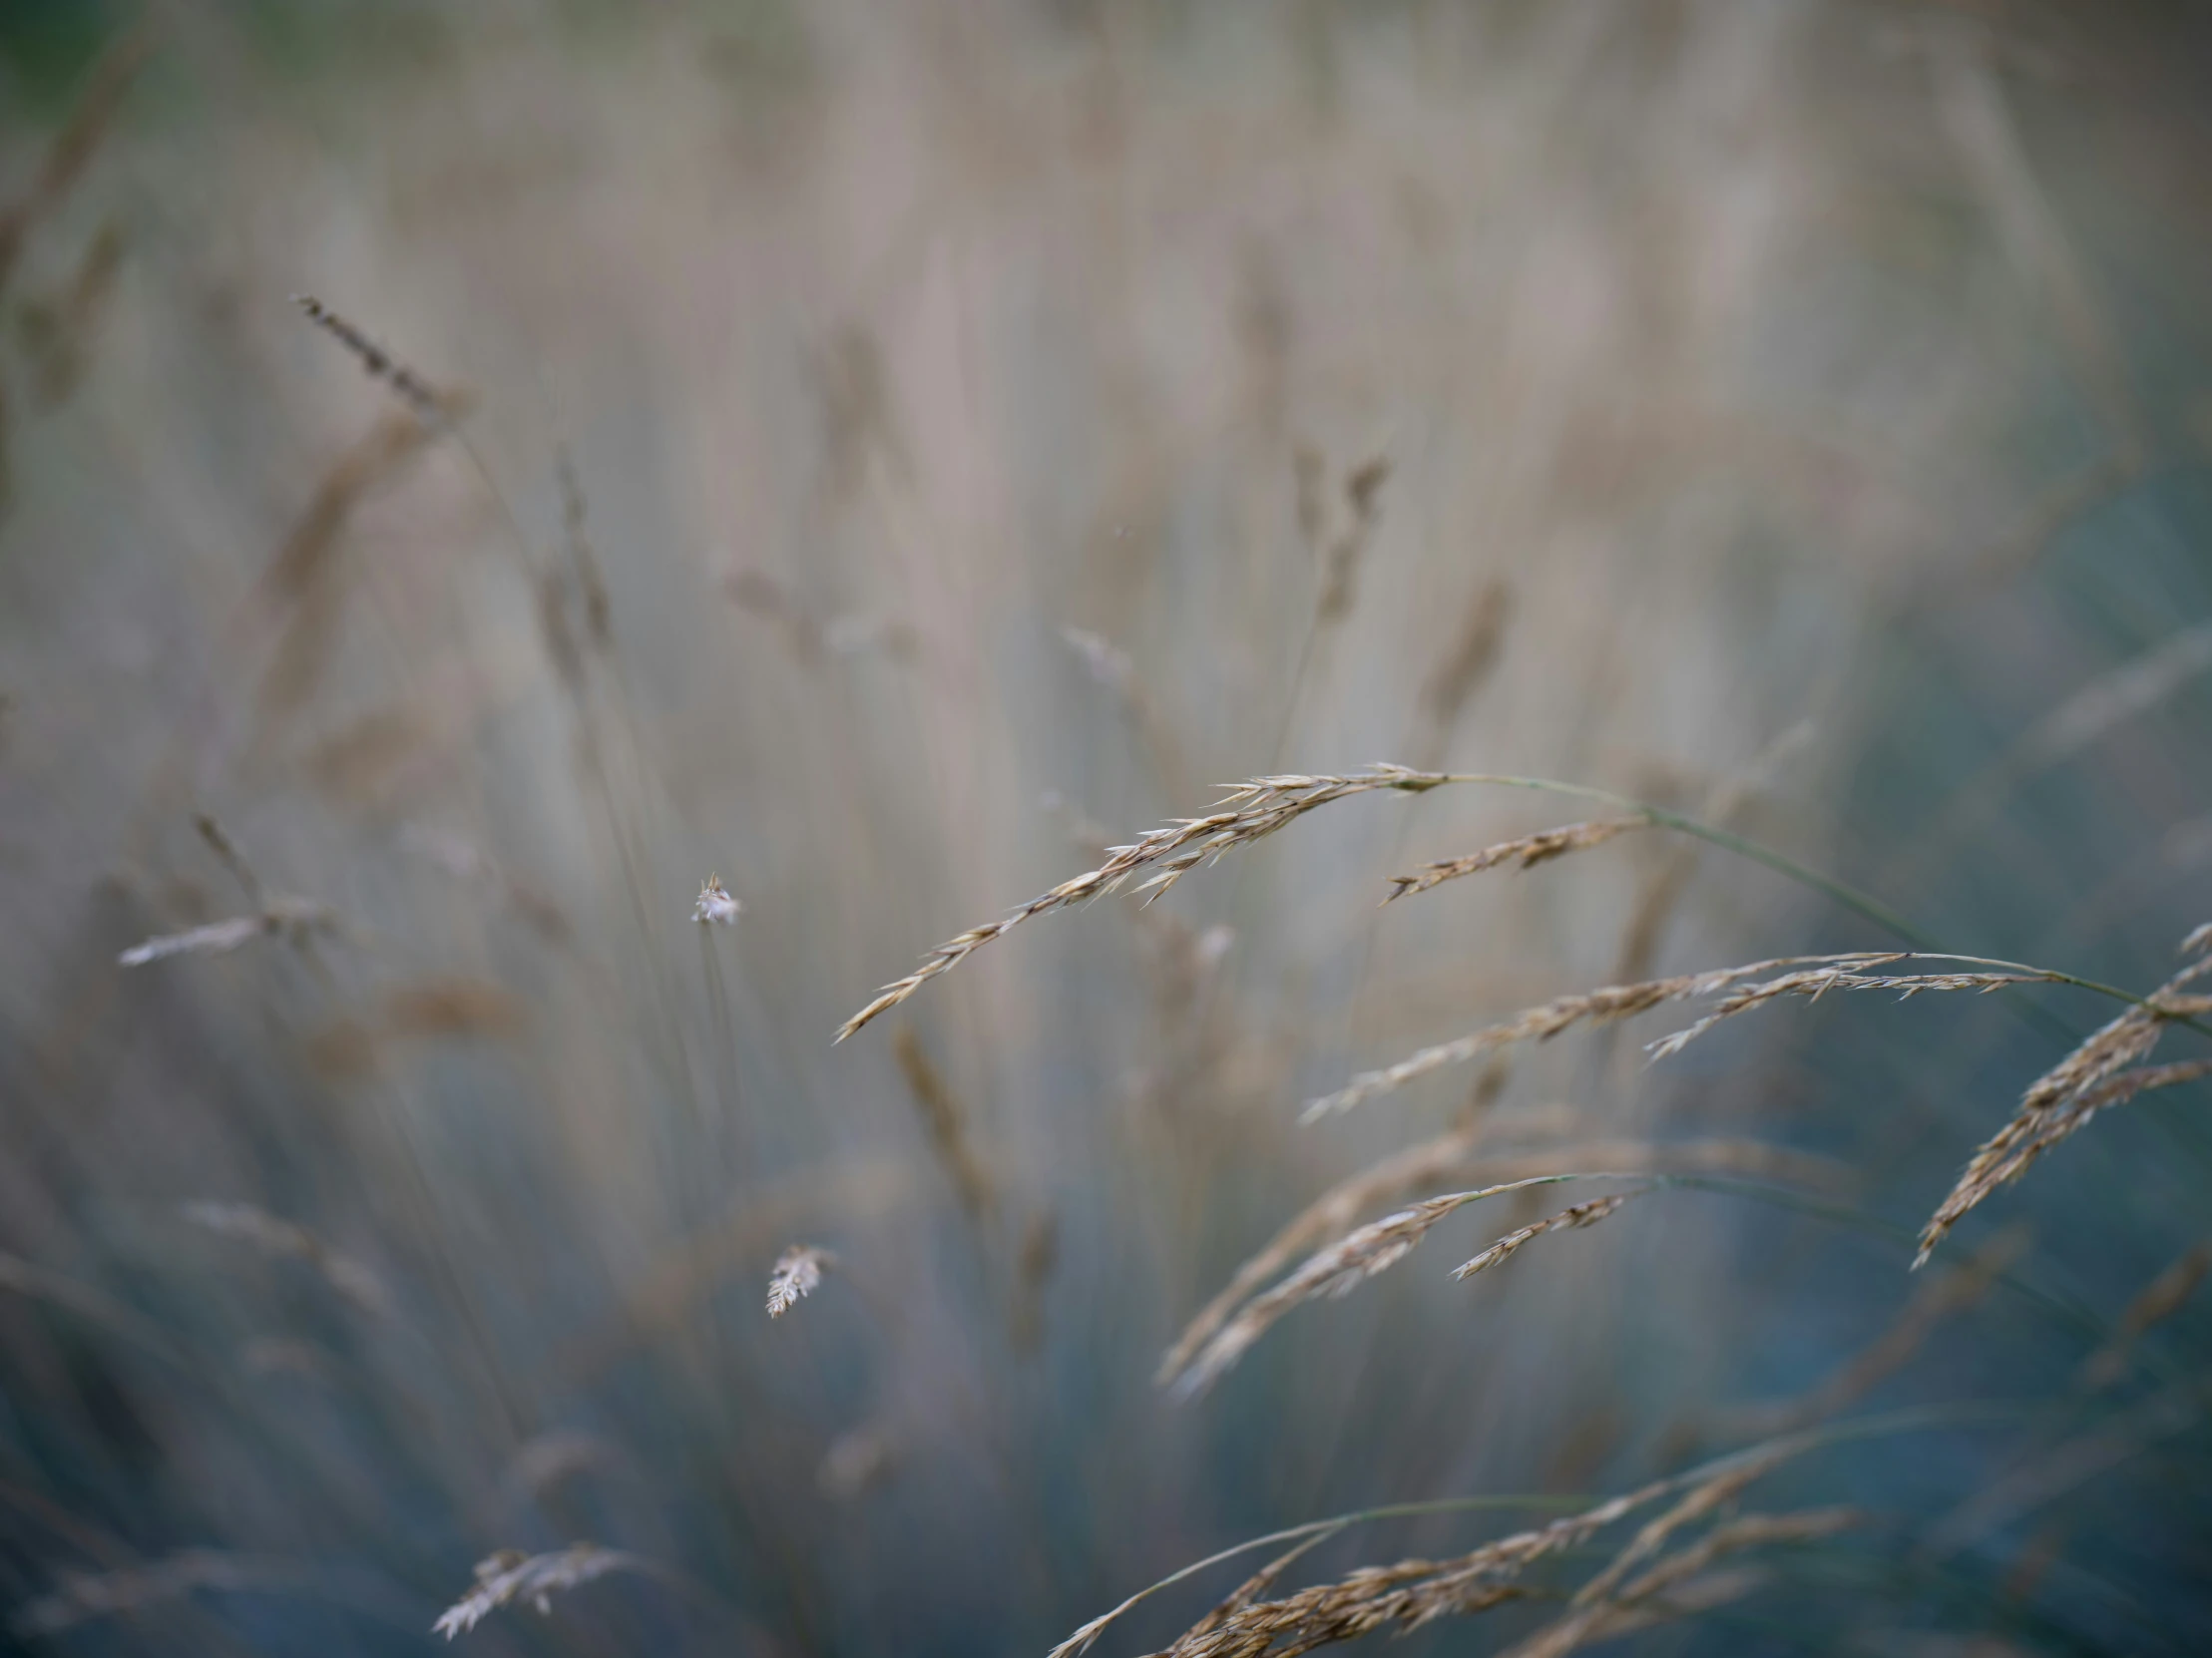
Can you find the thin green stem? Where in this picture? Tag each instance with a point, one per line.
(1859, 903)
(1788, 1197)
(1874, 1226)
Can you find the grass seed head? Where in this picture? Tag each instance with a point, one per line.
(713, 906)
(510, 1575)
(797, 1274)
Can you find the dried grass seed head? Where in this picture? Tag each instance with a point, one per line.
(796, 1275)
(1333, 1211)
(1541, 1024)
(714, 905)
(2091, 1076)
(1815, 982)
(510, 1575)
(1526, 850)
(1581, 1215)
(1248, 812)
(1338, 1269)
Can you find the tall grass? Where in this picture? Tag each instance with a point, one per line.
(1690, 521)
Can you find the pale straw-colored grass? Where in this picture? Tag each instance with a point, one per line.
(2099, 1071)
(1569, 1219)
(1806, 975)
(1411, 1595)
(1414, 1592)
(1247, 813)
(1336, 1209)
(1816, 983)
(1343, 1266)
(1587, 1624)
(1333, 1211)
(1527, 851)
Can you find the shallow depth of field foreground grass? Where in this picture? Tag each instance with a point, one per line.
(985, 828)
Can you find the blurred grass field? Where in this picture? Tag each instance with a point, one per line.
(888, 456)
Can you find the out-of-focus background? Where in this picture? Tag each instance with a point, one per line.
(899, 451)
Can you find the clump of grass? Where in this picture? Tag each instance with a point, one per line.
(2099, 1071)
(1410, 1594)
